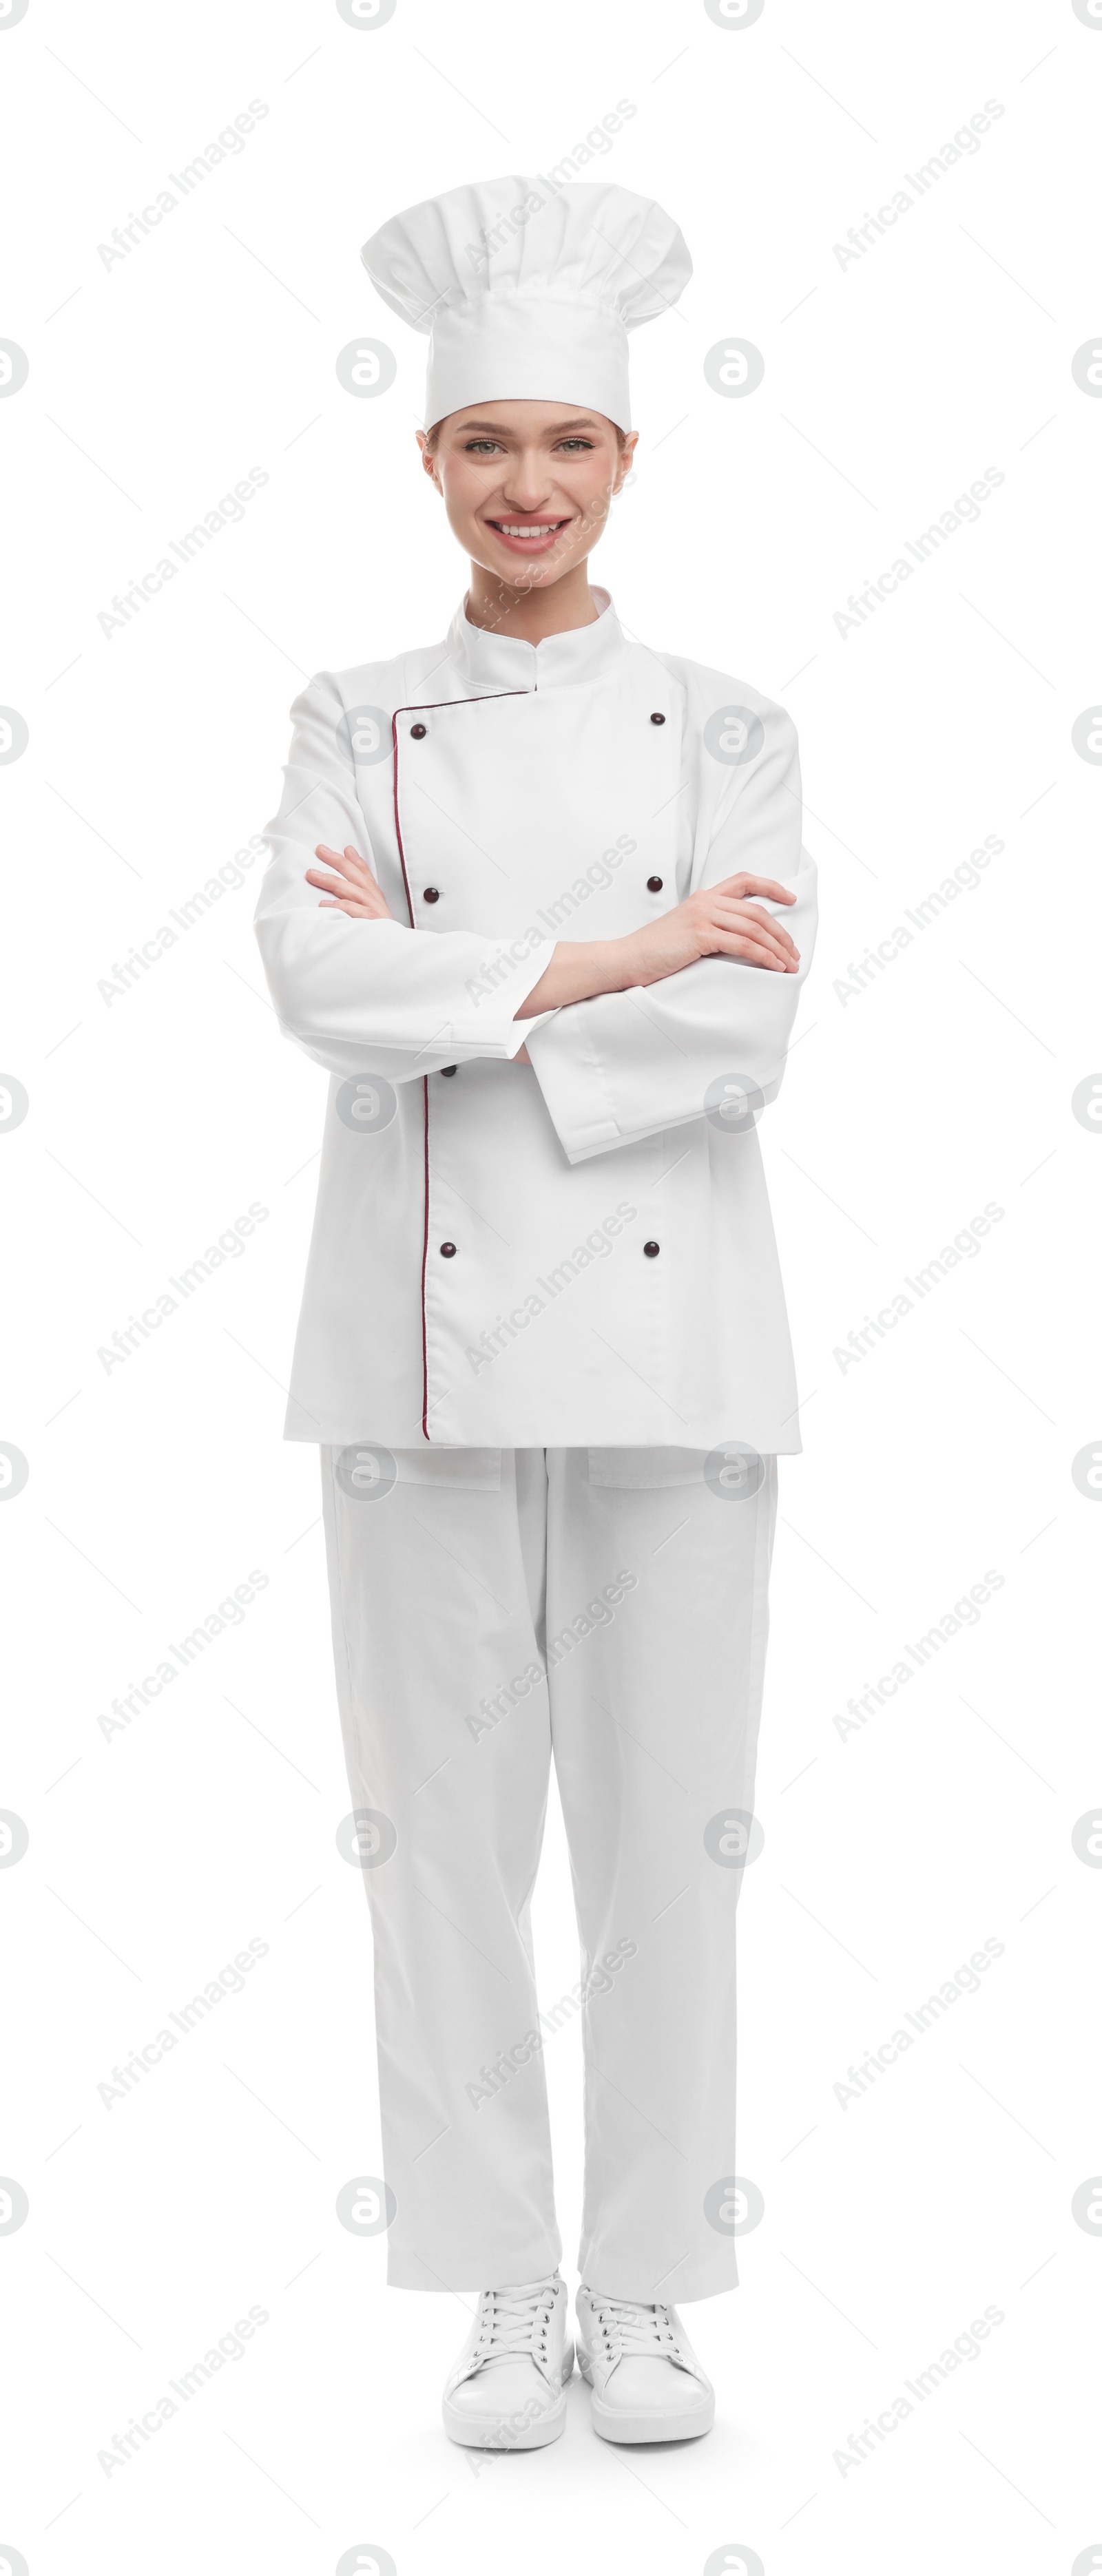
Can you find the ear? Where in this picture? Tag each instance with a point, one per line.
(627, 460)
(429, 461)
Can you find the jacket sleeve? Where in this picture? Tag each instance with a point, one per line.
(624, 1065)
(370, 996)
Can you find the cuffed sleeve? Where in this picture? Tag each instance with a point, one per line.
(626, 1065)
(376, 996)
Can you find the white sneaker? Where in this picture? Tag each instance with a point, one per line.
(507, 2391)
(647, 2383)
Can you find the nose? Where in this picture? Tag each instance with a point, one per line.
(527, 481)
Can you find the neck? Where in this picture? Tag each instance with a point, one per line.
(531, 614)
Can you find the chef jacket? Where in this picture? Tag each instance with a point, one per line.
(579, 1251)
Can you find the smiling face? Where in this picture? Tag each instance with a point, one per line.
(527, 485)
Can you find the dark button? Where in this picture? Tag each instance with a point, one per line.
(449, 1068)
(418, 732)
(448, 1250)
(654, 885)
(651, 1250)
(432, 894)
(654, 720)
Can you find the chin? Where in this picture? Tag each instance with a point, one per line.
(515, 574)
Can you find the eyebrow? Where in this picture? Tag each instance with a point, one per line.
(496, 429)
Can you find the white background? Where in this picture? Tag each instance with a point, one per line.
(156, 1117)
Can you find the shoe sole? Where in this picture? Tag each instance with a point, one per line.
(497, 2433)
(615, 2425)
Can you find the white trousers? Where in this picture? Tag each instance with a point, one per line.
(491, 1608)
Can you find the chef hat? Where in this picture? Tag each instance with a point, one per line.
(529, 289)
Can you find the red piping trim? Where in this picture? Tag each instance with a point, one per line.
(405, 711)
(424, 1272)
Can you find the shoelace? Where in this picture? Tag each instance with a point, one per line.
(626, 2328)
(515, 2321)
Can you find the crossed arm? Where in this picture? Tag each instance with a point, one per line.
(719, 921)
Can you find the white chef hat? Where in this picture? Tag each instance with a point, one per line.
(529, 289)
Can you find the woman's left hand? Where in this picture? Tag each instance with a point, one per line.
(353, 889)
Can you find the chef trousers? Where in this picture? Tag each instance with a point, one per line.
(491, 1608)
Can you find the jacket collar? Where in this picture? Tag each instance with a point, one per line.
(493, 662)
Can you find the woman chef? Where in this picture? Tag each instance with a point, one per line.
(537, 902)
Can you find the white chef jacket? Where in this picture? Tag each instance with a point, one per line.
(579, 1251)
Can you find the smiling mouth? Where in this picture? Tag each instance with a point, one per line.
(529, 536)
